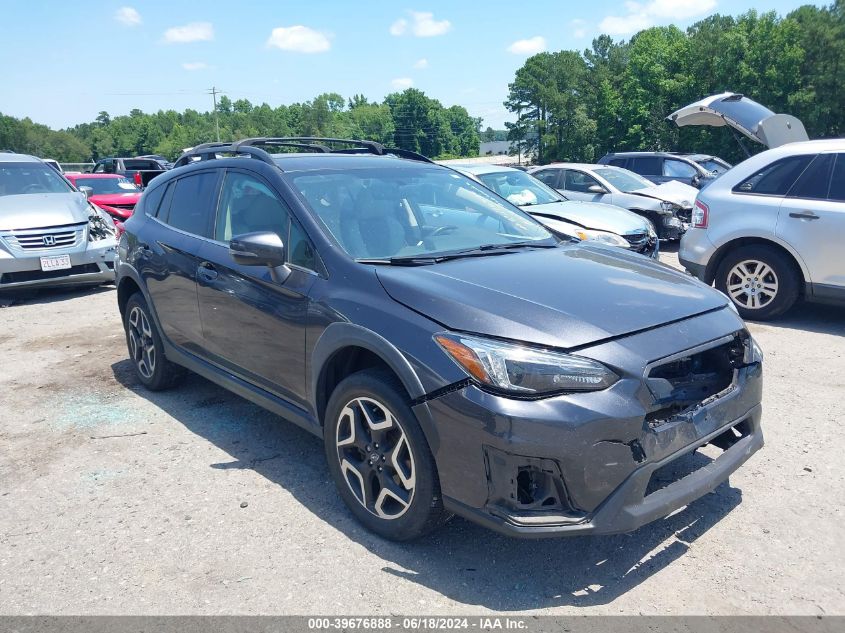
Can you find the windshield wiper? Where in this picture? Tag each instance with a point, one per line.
(480, 251)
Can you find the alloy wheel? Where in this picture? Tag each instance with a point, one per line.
(141, 343)
(752, 284)
(375, 458)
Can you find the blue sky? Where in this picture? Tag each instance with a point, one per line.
(62, 62)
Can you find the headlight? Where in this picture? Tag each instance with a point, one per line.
(651, 232)
(602, 237)
(522, 370)
(100, 224)
(671, 207)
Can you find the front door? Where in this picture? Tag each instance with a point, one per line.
(812, 221)
(252, 325)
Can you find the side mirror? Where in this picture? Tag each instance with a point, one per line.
(88, 191)
(264, 248)
(596, 189)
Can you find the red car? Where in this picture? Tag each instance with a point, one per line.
(115, 194)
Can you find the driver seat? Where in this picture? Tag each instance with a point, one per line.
(372, 229)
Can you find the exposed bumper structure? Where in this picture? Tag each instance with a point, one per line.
(597, 463)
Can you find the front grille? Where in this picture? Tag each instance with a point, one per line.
(685, 381)
(125, 207)
(44, 239)
(40, 275)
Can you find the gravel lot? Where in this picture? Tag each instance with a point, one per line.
(114, 500)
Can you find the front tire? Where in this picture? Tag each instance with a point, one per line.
(379, 457)
(146, 350)
(760, 281)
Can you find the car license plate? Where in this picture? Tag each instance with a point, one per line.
(55, 262)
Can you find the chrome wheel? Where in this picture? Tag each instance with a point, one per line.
(752, 284)
(375, 458)
(141, 343)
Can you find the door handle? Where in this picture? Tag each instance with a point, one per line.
(804, 215)
(206, 272)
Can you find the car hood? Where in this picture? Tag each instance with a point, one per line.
(37, 210)
(745, 115)
(109, 199)
(673, 191)
(593, 215)
(564, 297)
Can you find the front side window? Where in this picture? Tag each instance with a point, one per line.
(579, 182)
(678, 169)
(624, 180)
(547, 176)
(408, 211)
(191, 204)
(26, 178)
(777, 178)
(519, 188)
(248, 205)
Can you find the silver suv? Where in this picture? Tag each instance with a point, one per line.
(50, 235)
(770, 231)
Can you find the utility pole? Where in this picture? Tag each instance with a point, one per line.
(213, 93)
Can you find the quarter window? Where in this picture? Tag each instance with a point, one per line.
(777, 178)
(192, 203)
(151, 200)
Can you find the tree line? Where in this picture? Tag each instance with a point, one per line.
(567, 105)
(615, 96)
(409, 120)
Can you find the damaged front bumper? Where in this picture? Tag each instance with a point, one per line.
(589, 463)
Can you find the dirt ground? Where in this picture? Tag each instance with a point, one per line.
(114, 500)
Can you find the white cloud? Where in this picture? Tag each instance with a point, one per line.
(402, 83)
(127, 16)
(644, 15)
(421, 64)
(194, 65)
(299, 39)
(531, 46)
(399, 27)
(193, 32)
(422, 24)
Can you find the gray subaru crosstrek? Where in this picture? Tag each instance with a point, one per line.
(455, 356)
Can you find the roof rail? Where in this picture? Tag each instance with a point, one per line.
(251, 146)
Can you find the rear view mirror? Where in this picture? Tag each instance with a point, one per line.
(88, 191)
(596, 189)
(261, 249)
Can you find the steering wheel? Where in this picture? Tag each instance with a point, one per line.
(34, 188)
(443, 230)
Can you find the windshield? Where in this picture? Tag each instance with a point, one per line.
(519, 188)
(23, 178)
(714, 165)
(624, 180)
(104, 186)
(412, 211)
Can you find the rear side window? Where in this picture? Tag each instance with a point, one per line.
(814, 183)
(775, 179)
(192, 203)
(678, 169)
(646, 166)
(837, 183)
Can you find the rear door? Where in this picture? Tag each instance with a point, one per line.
(812, 221)
(252, 325)
(169, 254)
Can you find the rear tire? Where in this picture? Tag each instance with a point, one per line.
(379, 457)
(760, 280)
(146, 350)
